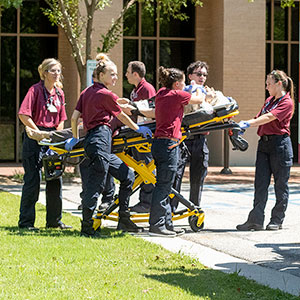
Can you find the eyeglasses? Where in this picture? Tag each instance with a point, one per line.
(200, 74)
(53, 71)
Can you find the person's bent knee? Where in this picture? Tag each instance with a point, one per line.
(126, 176)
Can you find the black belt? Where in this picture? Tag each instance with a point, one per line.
(267, 138)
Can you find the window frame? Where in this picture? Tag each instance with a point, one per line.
(157, 38)
(18, 36)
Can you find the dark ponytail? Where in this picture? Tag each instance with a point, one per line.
(167, 76)
(287, 83)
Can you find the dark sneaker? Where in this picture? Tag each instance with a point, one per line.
(140, 208)
(126, 225)
(249, 226)
(161, 232)
(29, 228)
(129, 227)
(273, 226)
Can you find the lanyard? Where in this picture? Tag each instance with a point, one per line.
(51, 104)
(273, 106)
(58, 103)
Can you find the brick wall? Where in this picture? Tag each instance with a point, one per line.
(231, 38)
(102, 22)
(69, 71)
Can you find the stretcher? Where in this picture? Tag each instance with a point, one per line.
(193, 123)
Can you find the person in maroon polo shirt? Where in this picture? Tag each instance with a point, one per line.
(97, 106)
(274, 152)
(43, 108)
(135, 74)
(170, 98)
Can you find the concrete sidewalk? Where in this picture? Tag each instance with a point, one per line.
(270, 258)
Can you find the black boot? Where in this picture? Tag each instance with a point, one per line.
(87, 229)
(125, 224)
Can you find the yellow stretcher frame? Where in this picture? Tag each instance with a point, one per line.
(144, 174)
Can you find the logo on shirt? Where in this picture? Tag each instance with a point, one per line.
(133, 95)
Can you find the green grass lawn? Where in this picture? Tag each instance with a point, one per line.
(55, 264)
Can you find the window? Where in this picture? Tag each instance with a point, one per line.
(167, 43)
(24, 43)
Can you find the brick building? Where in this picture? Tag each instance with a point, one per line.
(240, 41)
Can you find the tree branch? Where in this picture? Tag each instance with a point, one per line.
(90, 8)
(67, 27)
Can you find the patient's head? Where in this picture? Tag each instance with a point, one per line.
(198, 72)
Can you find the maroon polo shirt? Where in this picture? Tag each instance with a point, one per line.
(283, 111)
(169, 106)
(144, 90)
(98, 106)
(35, 102)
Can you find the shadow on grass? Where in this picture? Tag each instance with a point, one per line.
(213, 284)
(192, 281)
(105, 233)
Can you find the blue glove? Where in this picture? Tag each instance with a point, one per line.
(192, 88)
(244, 124)
(70, 143)
(50, 152)
(145, 131)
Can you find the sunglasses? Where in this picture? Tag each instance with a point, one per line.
(200, 74)
(53, 71)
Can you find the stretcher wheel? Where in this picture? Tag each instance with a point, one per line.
(193, 223)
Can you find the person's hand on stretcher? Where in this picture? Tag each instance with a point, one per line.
(139, 108)
(124, 103)
(243, 125)
(129, 108)
(70, 143)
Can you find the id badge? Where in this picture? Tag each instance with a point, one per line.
(51, 108)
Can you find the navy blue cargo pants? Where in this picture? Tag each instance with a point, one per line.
(166, 161)
(274, 156)
(32, 163)
(97, 145)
